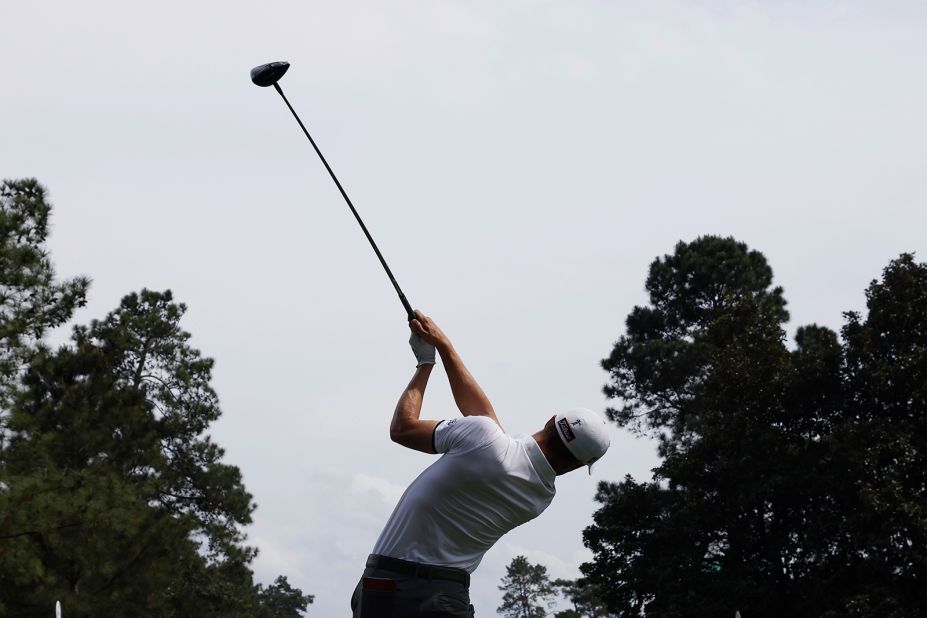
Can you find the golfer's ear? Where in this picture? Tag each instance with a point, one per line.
(414, 434)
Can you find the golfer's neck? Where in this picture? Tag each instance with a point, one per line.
(541, 440)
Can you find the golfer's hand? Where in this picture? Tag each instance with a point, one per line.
(428, 330)
(424, 351)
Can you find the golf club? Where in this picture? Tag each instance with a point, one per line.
(268, 75)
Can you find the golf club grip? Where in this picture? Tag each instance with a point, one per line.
(410, 314)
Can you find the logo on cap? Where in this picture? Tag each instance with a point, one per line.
(568, 434)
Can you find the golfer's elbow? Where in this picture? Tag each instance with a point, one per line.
(407, 436)
(398, 430)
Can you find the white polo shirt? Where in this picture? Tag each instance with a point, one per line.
(485, 484)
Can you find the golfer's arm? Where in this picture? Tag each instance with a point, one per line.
(406, 428)
(470, 398)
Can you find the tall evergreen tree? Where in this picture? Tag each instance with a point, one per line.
(527, 590)
(116, 497)
(884, 533)
(113, 498)
(761, 501)
(32, 301)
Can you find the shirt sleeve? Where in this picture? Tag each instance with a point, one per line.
(465, 434)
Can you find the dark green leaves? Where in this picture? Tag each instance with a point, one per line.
(31, 300)
(793, 480)
(711, 293)
(527, 590)
(113, 498)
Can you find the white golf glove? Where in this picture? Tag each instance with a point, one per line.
(424, 351)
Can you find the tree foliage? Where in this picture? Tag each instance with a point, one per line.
(792, 480)
(31, 300)
(527, 590)
(280, 600)
(113, 498)
(585, 597)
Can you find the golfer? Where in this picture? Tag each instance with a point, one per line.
(486, 483)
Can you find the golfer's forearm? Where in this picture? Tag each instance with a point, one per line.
(409, 406)
(470, 398)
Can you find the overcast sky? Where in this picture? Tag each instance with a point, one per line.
(519, 163)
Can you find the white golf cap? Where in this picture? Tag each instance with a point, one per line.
(585, 434)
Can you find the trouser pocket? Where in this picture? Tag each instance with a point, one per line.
(447, 605)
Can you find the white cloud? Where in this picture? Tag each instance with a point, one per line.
(557, 565)
(388, 492)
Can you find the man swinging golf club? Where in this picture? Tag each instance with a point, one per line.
(486, 484)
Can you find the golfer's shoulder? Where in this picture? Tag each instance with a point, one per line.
(476, 426)
(467, 431)
(472, 423)
(484, 425)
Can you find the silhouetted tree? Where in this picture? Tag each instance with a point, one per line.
(32, 301)
(791, 480)
(113, 498)
(528, 591)
(585, 597)
(280, 600)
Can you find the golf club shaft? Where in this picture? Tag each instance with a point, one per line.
(402, 297)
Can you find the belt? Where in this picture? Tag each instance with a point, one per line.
(417, 569)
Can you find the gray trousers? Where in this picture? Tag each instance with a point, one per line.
(386, 594)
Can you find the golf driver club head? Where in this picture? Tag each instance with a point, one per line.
(268, 74)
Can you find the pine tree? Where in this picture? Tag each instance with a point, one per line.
(31, 301)
(528, 591)
(113, 498)
(114, 493)
(792, 480)
(280, 600)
